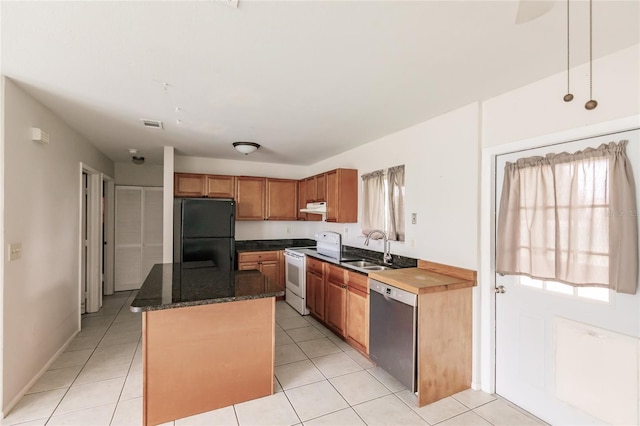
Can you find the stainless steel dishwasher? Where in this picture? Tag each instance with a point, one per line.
(392, 331)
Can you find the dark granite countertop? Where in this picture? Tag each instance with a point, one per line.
(268, 245)
(172, 285)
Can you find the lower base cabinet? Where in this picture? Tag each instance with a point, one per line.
(267, 262)
(336, 316)
(358, 312)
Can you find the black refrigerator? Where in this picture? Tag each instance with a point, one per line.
(203, 232)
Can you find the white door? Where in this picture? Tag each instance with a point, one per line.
(138, 244)
(568, 356)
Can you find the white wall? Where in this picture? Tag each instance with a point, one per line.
(41, 305)
(138, 174)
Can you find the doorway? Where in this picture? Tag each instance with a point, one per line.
(557, 348)
(96, 237)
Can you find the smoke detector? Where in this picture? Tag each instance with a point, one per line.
(154, 124)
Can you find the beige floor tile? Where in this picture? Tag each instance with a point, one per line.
(339, 342)
(115, 353)
(286, 354)
(95, 416)
(304, 333)
(386, 379)
(128, 413)
(72, 359)
(277, 387)
(96, 372)
(282, 338)
(298, 374)
(435, 412)
(289, 323)
(315, 400)
(79, 342)
(474, 398)
(359, 387)
(224, 416)
(346, 417)
(336, 365)
(499, 413)
(132, 387)
(35, 406)
(388, 410)
(283, 310)
(311, 320)
(466, 419)
(318, 347)
(133, 325)
(272, 410)
(324, 330)
(91, 395)
(55, 379)
(95, 322)
(93, 331)
(362, 360)
(38, 422)
(112, 338)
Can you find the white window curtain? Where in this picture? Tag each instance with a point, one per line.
(395, 219)
(571, 218)
(373, 201)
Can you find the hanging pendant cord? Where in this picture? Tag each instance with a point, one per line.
(568, 97)
(591, 103)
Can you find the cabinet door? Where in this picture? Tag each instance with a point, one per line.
(310, 189)
(332, 196)
(302, 199)
(270, 270)
(321, 187)
(316, 283)
(250, 193)
(357, 330)
(282, 200)
(310, 296)
(219, 186)
(188, 185)
(336, 306)
(248, 265)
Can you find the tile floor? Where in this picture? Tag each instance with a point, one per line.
(320, 381)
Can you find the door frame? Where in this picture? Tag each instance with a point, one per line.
(109, 187)
(484, 365)
(94, 237)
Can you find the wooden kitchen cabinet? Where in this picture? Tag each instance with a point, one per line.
(188, 185)
(342, 195)
(202, 185)
(281, 199)
(250, 197)
(315, 293)
(267, 262)
(220, 186)
(357, 333)
(336, 299)
(302, 199)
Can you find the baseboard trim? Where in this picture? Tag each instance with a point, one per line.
(6, 410)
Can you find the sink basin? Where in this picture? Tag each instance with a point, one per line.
(361, 264)
(376, 268)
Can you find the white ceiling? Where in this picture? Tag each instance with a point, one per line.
(307, 80)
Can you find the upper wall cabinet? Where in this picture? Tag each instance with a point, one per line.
(282, 200)
(201, 185)
(342, 195)
(250, 195)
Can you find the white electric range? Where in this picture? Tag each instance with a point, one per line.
(328, 247)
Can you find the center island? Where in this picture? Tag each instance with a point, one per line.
(208, 338)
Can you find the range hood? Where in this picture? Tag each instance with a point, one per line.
(315, 208)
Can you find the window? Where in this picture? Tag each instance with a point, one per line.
(383, 202)
(599, 294)
(570, 219)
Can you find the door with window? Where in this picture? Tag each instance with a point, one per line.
(569, 355)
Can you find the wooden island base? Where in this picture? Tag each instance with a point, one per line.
(200, 358)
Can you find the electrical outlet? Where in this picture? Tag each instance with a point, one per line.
(288, 230)
(15, 251)
(414, 218)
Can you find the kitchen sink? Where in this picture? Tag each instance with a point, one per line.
(361, 263)
(376, 268)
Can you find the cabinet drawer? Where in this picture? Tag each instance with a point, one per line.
(337, 274)
(257, 256)
(358, 281)
(315, 265)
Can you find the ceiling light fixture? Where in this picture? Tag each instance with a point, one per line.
(246, 147)
(568, 97)
(591, 103)
(136, 159)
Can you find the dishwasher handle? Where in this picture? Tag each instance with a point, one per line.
(394, 293)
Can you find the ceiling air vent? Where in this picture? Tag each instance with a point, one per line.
(154, 124)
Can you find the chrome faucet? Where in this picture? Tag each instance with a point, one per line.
(386, 257)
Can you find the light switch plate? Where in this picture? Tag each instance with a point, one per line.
(414, 218)
(15, 251)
